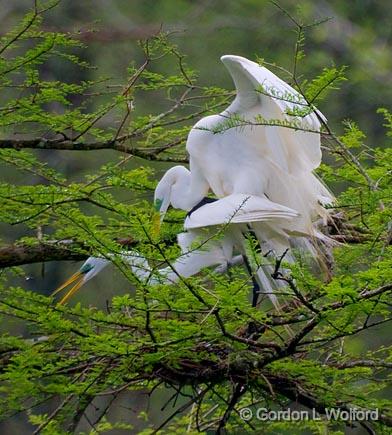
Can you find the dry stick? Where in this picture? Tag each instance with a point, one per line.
(72, 145)
(239, 391)
(181, 409)
(361, 363)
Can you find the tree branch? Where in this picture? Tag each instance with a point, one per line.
(19, 254)
(71, 145)
(51, 250)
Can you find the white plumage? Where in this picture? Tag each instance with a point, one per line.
(258, 158)
(231, 217)
(238, 208)
(265, 145)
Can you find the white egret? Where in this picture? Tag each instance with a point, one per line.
(265, 144)
(241, 214)
(90, 268)
(233, 153)
(187, 265)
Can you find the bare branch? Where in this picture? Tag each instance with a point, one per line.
(51, 250)
(71, 145)
(19, 254)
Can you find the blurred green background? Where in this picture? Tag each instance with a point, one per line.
(358, 34)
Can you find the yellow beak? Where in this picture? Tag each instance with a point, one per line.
(78, 276)
(156, 224)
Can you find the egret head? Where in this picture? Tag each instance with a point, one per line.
(172, 189)
(91, 267)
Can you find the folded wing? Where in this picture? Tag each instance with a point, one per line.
(236, 209)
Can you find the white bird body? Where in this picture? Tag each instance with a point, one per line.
(236, 153)
(274, 161)
(215, 231)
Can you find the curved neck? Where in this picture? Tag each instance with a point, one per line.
(182, 198)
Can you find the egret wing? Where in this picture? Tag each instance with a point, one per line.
(236, 209)
(260, 92)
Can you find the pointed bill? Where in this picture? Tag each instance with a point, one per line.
(156, 224)
(69, 281)
(71, 292)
